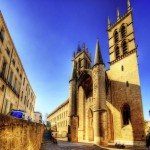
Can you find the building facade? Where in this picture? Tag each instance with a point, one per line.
(59, 120)
(106, 105)
(37, 117)
(147, 127)
(15, 89)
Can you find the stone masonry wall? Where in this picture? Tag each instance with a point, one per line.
(17, 134)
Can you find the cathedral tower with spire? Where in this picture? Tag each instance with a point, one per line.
(108, 102)
(124, 91)
(105, 106)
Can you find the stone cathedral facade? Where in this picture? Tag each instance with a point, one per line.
(106, 105)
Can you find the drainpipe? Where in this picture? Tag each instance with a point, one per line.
(7, 81)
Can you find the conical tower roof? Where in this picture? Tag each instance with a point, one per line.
(98, 56)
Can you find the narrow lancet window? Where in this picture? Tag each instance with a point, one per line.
(123, 32)
(124, 47)
(117, 52)
(116, 37)
(126, 114)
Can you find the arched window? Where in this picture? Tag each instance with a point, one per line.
(117, 52)
(11, 77)
(124, 47)
(21, 95)
(27, 103)
(86, 64)
(126, 114)
(116, 36)
(4, 69)
(15, 85)
(79, 63)
(127, 84)
(2, 35)
(122, 68)
(25, 100)
(123, 31)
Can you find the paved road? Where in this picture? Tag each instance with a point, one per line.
(46, 135)
(69, 146)
(83, 146)
(48, 145)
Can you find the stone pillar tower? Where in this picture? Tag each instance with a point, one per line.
(73, 119)
(124, 77)
(72, 93)
(81, 63)
(99, 99)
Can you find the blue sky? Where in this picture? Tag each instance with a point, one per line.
(46, 32)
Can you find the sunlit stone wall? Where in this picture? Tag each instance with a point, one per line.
(17, 134)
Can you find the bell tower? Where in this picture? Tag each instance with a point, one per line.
(124, 77)
(81, 62)
(121, 36)
(81, 59)
(123, 48)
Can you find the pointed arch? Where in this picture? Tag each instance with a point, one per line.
(123, 31)
(126, 114)
(117, 52)
(116, 36)
(124, 47)
(2, 35)
(85, 80)
(79, 63)
(4, 68)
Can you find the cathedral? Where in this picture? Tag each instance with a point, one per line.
(105, 106)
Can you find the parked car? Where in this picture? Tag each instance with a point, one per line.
(19, 114)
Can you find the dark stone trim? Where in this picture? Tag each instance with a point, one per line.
(98, 64)
(123, 56)
(122, 40)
